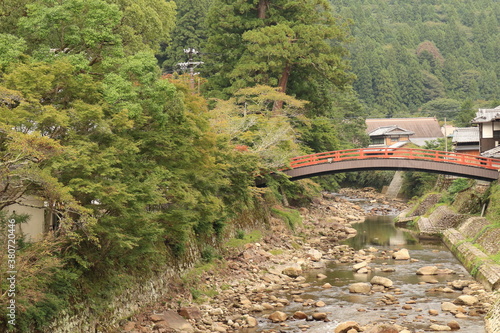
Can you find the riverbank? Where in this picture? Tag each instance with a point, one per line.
(247, 290)
(472, 239)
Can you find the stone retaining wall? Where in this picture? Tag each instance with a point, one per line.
(146, 291)
(472, 240)
(493, 319)
(140, 294)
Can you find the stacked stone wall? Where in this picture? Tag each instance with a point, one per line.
(426, 204)
(493, 319)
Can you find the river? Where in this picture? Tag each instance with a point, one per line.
(412, 290)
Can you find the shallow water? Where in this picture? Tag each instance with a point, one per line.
(381, 233)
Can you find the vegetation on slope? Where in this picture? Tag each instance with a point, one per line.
(424, 58)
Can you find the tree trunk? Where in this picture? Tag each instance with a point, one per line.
(278, 105)
(262, 8)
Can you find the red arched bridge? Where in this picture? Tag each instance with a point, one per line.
(462, 165)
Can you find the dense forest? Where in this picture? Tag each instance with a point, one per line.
(424, 57)
(98, 120)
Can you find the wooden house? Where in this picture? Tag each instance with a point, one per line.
(423, 129)
(466, 140)
(488, 121)
(387, 136)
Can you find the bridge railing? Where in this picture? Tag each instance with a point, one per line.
(405, 153)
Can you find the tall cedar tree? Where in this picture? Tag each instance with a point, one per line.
(266, 41)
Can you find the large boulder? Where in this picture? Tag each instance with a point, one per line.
(251, 321)
(467, 300)
(380, 280)
(449, 307)
(319, 316)
(427, 270)
(314, 255)
(300, 315)
(172, 320)
(192, 312)
(402, 254)
(293, 270)
(360, 288)
(346, 326)
(278, 317)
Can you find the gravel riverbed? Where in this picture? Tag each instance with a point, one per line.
(266, 286)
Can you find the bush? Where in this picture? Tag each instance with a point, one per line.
(240, 234)
(289, 216)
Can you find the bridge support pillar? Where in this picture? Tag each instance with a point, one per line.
(395, 185)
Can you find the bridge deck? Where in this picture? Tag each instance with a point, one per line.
(463, 165)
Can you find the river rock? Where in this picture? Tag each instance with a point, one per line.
(129, 326)
(363, 270)
(346, 326)
(321, 276)
(319, 316)
(172, 320)
(251, 321)
(450, 307)
(402, 254)
(360, 288)
(381, 281)
(319, 304)
(436, 327)
(278, 317)
(314, 255)
(454, 325)
(218, 328)
(433, 312)
(326, 286)
(293, 270)
(461, 284)
(383, 328)
(271, 278)
(358, 266)
(268, 306)
(257, 308)
(467, 300)
(351, 231)
(299, 315)
(245, 301)
(192, 312)
(427, 270)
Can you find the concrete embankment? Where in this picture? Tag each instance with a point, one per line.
(473, 240)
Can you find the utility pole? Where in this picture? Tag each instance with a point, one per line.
(191, 65)
(445, 136)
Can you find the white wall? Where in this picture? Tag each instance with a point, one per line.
(35, 227)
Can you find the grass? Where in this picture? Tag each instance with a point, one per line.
(291, 217)
(496, 258)
(237, 242)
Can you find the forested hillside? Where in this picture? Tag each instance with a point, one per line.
(424, 57)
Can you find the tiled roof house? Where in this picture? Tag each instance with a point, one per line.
(488, 121)
(423, 129)
(466, 140)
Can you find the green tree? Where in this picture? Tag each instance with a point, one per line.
(145, 24)
(189, 32)
(441, 108)
(268, 41)
(466, 114)
(72, 26)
